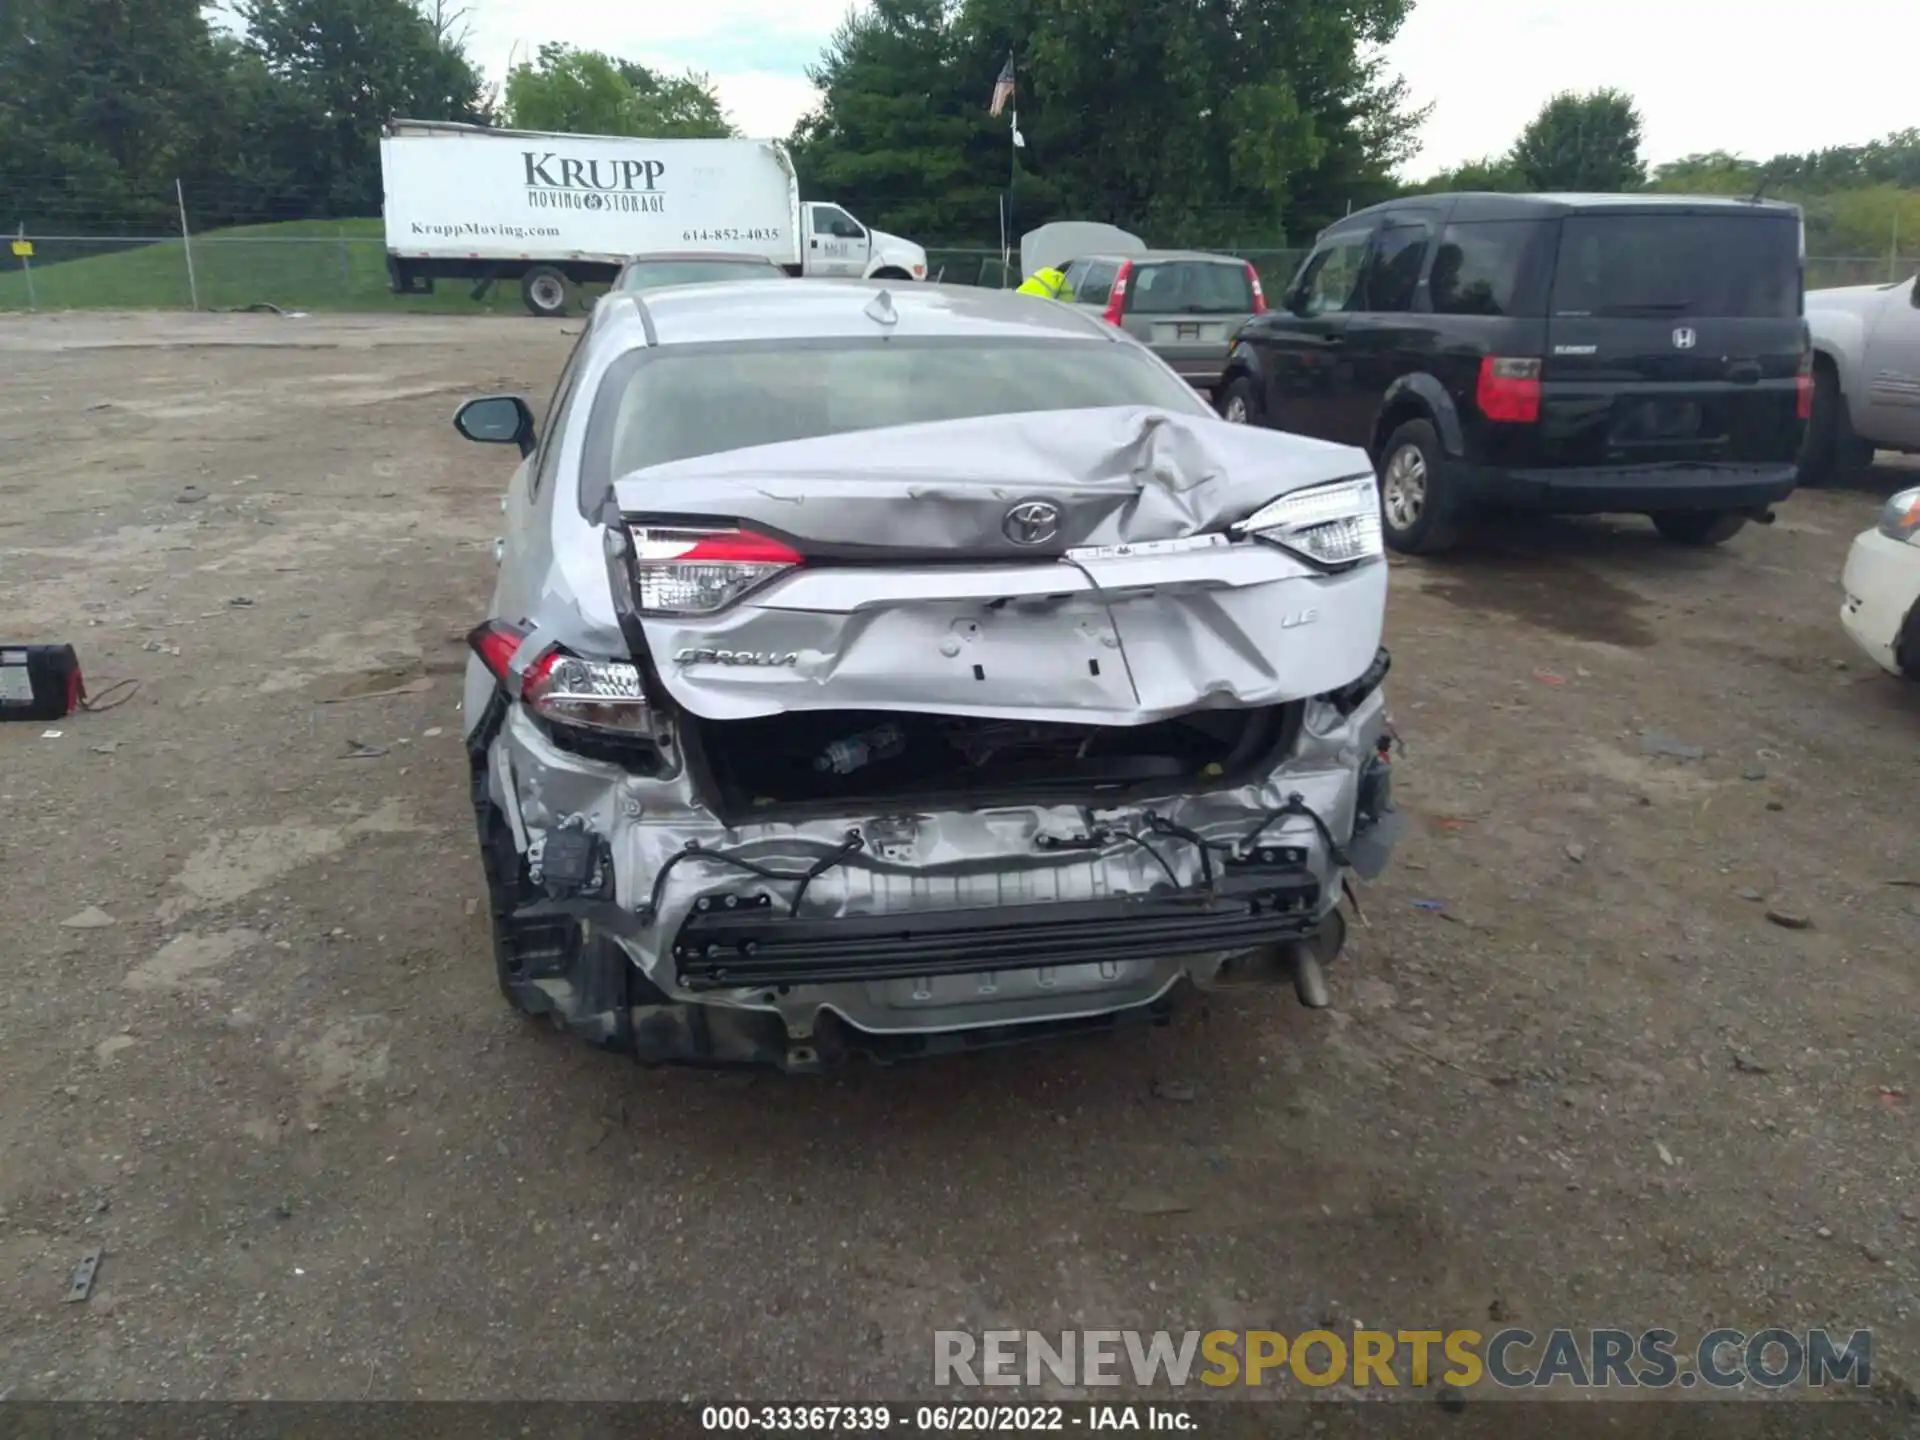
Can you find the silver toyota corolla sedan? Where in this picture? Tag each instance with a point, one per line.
(912, 670)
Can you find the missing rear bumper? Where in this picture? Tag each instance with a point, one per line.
(757, 944)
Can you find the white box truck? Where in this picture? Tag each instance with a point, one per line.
(555, 211)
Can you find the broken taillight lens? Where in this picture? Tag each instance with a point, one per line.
(496, 643)
(603, 695)
(1259, 295)
(699, 572)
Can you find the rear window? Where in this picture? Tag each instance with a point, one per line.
(675, 404)
(1489, 267)
(1721, 266)
(652, 274)
(1190, 287)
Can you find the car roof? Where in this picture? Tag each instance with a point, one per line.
(830, 309)
(1150, 257)
(724, 256)
(1494, 205)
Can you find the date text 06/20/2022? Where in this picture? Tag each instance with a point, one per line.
(944, 1419)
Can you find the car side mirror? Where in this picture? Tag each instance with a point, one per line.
(497, 420)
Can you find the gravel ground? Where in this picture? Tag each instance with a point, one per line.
(1574, 1073)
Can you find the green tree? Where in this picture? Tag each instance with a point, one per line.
(1583, 143)
(350, 66)
(100, 108)
(1189, 123)
(1715, 172)
(1493, 172)
(584, 92)
(1208, 124)
(902, 136)
(1858, 200)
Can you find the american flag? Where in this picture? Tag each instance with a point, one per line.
(1002, 90)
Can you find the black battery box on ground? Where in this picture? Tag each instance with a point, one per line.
(39, 682)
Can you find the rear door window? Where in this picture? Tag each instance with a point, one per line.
(1393, 274)
(1743, 267)
(1190, 287)
(1490, 267)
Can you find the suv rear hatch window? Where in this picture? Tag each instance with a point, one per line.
(1724, 266)
(1674, 338)
(1191, 287)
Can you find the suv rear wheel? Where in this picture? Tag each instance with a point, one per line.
(1419, 511)
(1698, 527)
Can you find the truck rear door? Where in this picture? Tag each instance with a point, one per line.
(1674, 336)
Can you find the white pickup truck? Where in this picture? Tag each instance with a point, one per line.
(1866, 376)
(557, 211)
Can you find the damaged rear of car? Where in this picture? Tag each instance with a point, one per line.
(917, 673)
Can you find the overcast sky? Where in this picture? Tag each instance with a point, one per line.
(1744, 75)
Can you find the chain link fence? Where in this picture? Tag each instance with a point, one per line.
(340, 265)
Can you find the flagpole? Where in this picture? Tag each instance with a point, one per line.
(1013, 176)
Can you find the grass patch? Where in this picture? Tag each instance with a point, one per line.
(299, 265)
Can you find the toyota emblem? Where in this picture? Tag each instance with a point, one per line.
(1032, 522)
(1684, 338)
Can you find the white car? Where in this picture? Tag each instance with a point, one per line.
(1882, 584)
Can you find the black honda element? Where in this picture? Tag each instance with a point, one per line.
(1571, 354)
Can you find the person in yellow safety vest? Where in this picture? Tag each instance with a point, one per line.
(1047, 282)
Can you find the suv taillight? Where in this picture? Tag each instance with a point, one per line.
(1803, 387)
(605, 695)
(699, 572)
(1117, 297)
(1509, 389)
(1259, 295)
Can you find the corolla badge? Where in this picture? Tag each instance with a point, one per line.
(736, 657)
(1031, 522)
(1684, 338)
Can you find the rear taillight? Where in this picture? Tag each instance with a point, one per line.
(604, 695)
(1334, 525)
(1259, 295)
(697, 572)
(1509, 389)
(495, 643)
(1117, 298)
(1803, 388)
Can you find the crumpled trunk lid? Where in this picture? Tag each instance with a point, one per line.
(1063, 566)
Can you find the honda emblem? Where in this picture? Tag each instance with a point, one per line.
(1684, 338)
